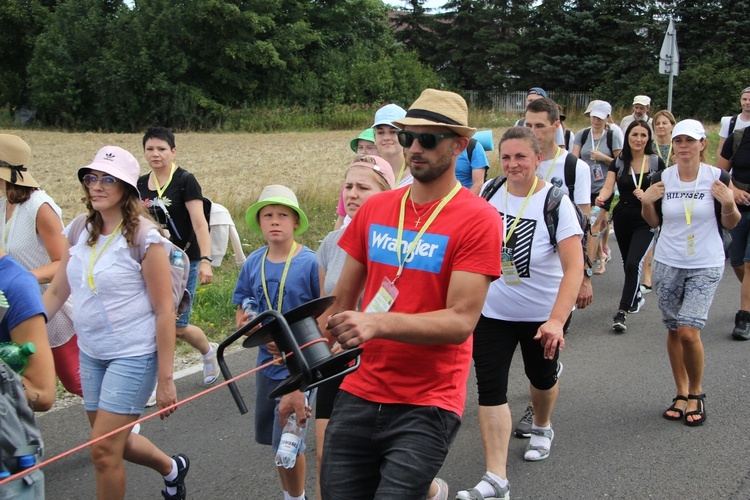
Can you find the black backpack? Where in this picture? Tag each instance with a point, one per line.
(551, 212)
(19, 432)
(610, 134)
(735, 136)
(726, 238)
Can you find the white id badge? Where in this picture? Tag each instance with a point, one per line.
(384, 299)
(690, 244)
(510, 273)
(597, 172)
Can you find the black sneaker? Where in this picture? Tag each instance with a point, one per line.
(639, 302)
(741, 325)
(618, 322)
(523, 429)
(179, 481)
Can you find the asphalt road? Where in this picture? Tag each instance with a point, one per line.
(610, 439)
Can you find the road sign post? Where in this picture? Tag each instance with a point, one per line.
(669, 58)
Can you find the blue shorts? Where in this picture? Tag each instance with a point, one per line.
(267, 423)
(192, 284)
(121, 386)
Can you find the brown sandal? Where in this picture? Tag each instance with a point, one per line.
(675, 409)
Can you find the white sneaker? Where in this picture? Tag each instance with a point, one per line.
(211, 366)
(152, 400)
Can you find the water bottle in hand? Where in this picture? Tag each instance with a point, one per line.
(250, 305)
(291, 437)
(16, 356)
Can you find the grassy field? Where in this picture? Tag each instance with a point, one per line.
(232, 169)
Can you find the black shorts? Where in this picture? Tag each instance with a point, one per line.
(494, 344)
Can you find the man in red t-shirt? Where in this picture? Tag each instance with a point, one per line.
(423, 258)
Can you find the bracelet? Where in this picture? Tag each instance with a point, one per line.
(206, 257)
(730, 213)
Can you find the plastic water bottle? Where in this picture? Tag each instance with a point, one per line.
(17, 356)
(177, 259)
(594, 214)
(250, 305)
(26, 461)
(291, 437)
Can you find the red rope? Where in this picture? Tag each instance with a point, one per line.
(143, 419)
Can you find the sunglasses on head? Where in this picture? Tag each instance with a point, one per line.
(427, 140)
(105, 181)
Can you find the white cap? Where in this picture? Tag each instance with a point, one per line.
(643, 100)
(690, 128)
(389, 114)
(601, 109)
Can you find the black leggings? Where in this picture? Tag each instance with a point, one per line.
(494, 344)
(634, 236)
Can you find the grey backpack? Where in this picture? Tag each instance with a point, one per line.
(19, 432)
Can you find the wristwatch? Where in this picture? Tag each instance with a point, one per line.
(588, 272)
(206, 257)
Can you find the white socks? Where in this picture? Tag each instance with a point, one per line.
(538, 441)
(486, 489)
(287, 496)
(172, 476)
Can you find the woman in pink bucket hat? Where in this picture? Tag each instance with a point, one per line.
(124, 315)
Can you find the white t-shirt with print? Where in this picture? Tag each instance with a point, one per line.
(672, 246)
(537, 263)
(582, 195)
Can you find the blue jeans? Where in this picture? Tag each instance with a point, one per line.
(120, 386)
(192, 284)
(384, 451)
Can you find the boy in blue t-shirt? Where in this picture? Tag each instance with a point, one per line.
(280, 276)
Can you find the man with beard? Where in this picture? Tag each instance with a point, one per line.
(424, 256)
(641, 104)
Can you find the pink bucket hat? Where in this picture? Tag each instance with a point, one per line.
(116, 162)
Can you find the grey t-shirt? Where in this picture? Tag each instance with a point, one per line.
(331, 259)
(598, 170)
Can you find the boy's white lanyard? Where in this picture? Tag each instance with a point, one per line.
(689, 212)
(552, 167)
(640, 177)
(94, 258)
(400, 232)
(520, 212)
(283, 277)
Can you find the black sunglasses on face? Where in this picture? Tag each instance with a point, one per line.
(427, 140)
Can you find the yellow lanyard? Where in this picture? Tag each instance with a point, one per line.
(160, 190)
(596, 145)
(401, 172)
(689, 212)
(283, 277)
(665, 160)
(95, 257)
(640, 178)
(552, 167)
(520, 212)
(413, 244)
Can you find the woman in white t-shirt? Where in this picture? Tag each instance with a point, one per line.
(686, 275)
(124, 316)
(530, 304)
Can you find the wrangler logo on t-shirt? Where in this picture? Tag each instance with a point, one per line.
(427, 256)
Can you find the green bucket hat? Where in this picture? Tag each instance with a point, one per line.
(275, 194)
(367, 134)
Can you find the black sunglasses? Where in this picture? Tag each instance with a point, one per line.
(427, 140)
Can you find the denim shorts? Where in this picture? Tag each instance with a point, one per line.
(685, 295)
(121, 386)
(267, 422)
(192, 284)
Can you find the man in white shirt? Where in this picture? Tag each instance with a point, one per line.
(641, 104)
(539, 93)
(740, 121)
